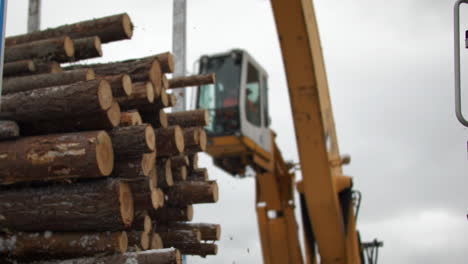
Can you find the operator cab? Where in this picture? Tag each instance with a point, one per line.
(238, 108)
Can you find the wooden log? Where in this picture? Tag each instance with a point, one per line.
(193, 161)
(169, 141)
(156, 241)
(141, 220)
(164, 172)
(144, 198)
(138, 240)
(130, 118)
(99, 205)
(171, 237)
(156, 117)
(179, 173)
(199, 174)
(111, 28)
(19, 67)
(199, 249)
(159, 256)
(164, 82)
(142, 94)
(153, 179)
(87, 48)
(104, 119)
(132, 141)
(162, 101)
(194, 80)
(166, 61)
(195, 139)
(78, 99)
(8, 129)
(208, 232)
(57, 156)
(192, 192)
(47, 245)
(121, 84)
(177, 161)
(47, 67)
(135, 168)
(192, 118)
(172, 214)
(161, 198)
(31, 82)
(172, 100)
(59, 49)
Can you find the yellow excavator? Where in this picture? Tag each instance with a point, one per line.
(240, 138)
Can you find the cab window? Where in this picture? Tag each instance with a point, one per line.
(252, 96)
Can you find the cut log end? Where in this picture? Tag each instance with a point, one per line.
(161, 197)
(105, 95)
(130, 118)
(30, 65)
(123, 242)
(127, 26)
(179, 139)
(104, 154)
(157, 243)
(147, 162)
(54, 67)
(215, 191)
(155, 198)
(150, 91)
(218, 232)
(145, 240)
(202, 139)
(155, 74)
(189, 211)
(147, 225)
(150, 138)
(90, 75)
(127, 84)
(114, 114)
(163, 118)
(178, 257)
(68, 46)
(126, 204)
(97, 45)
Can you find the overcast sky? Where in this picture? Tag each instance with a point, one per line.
(389, 66)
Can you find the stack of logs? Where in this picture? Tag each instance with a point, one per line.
(92, 169)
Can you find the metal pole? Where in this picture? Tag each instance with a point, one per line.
(179, 49)
(34, 15)
(3, 13)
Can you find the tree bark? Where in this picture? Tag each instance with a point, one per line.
(209, 232)
(47, 67)
(78, 99)
(130, 118)
(177, 161)
(138, 240)
(135, 168)
(111, 28)
(100, 205)
(144, 198)
(194, 118)
(193, 161)
(49, 245)
(57, 156)
(19, 67)
(132, 141)
(195, 139)
(142, 94)
(8, 130)
(200, 174)
(172, 214)
(164, 172)
(199, 249)
(121, 84)
(31, 82)
(192, 192)
(104, 119)
(159, 256)
(194, 80)
(170, 237)
(156, 117)
(87, 48)
(141, 220)
(166, 61)
(59, 49)
(169, 141)
(179, 173)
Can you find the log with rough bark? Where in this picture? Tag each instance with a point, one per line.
(194, 80)
(169, 141)
(141, 220)
(170, 237)
(144, 198)
(177, 161)
(105, 119)
(121, 84)
(195, 139)
(142, 94)
(19, 67)
(172, 100)
(208, 232)
(172, 214)
(48, 67)
(194, 118)
(166, 60)
(130, 118)
(193, 161)
(164, 82)
(199, 174)
(192, 192)
(179, 173)
(51, 245)
(162, 101)
(99, 205)
(159, 256)
(55, 157)
(156, 117)
(138, 240)
(59, 49)
(164, 172)
(111, 28)
(132, 141)
(78, 99)
(199, 249)
(156, 241)
(87, 48)
(31, 82)
(135, 168)
(8, 129)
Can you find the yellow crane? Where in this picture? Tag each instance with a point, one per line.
(239, 136)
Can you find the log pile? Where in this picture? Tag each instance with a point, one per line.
(92, 168)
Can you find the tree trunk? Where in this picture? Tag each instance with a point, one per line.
(199, 249)
(194, 80)
(195, 139)
(8, 130)
(198, 175)
(192, 192)
(132, 141)
(104, 119)
(121, 84)
(172, 214)
(159, 256)
(169, 141)
(31, 82)
(142, 94)
(171, 237)
(59, 49)
(111, 28)
(49, 245)
(135, 168)
(130, 118)
(164, 173)
(78, 99)
(195, 118)
(156, 117)
(209, 232)
(100, 205)
(19, 67)
(87, 48)
(57, 156)
(144, 198)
